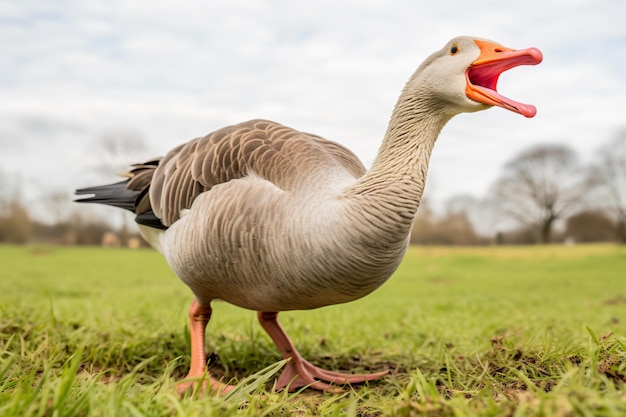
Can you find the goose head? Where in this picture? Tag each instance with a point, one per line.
(463, 75)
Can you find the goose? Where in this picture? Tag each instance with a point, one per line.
(272, 219)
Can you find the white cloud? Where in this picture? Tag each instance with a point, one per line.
(177, 70)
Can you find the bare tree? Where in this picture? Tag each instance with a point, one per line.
(607, 175)
(15, 222)
(16, 225)
(8, 193)
(454, 227)
(119, 149)
(423, 225)
(476, 210)
(538, 187)
(58, 205)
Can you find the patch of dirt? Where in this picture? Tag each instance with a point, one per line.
(619, 299)
(439, 280)
(612, 358)
(41, 251)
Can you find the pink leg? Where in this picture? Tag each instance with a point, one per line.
(199, 317)
(300, 373)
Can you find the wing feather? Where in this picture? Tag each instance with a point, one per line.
(274, 152)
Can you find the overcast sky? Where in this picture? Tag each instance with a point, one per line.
(72, 72)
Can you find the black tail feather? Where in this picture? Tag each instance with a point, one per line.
(116, 195)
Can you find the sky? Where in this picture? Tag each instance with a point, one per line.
(73, 72)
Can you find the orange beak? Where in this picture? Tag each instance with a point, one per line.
(482, 75)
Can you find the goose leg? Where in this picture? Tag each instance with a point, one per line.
(299, 372)
(199, 317)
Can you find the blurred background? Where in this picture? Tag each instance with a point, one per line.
(88, 87)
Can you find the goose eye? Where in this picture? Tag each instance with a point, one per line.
(454, 49)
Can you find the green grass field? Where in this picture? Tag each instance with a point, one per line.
(495, 331)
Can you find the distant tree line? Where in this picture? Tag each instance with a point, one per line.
(544, 194)
(53, 217)
(78, 227)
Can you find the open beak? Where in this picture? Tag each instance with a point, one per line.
(482, 75)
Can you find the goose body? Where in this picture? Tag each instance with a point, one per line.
(272, 219)
(299, 239)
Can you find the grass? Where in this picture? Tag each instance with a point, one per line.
(495, 331)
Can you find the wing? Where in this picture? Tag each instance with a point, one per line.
(279, 154)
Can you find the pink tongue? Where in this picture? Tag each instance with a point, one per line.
(527, 110)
